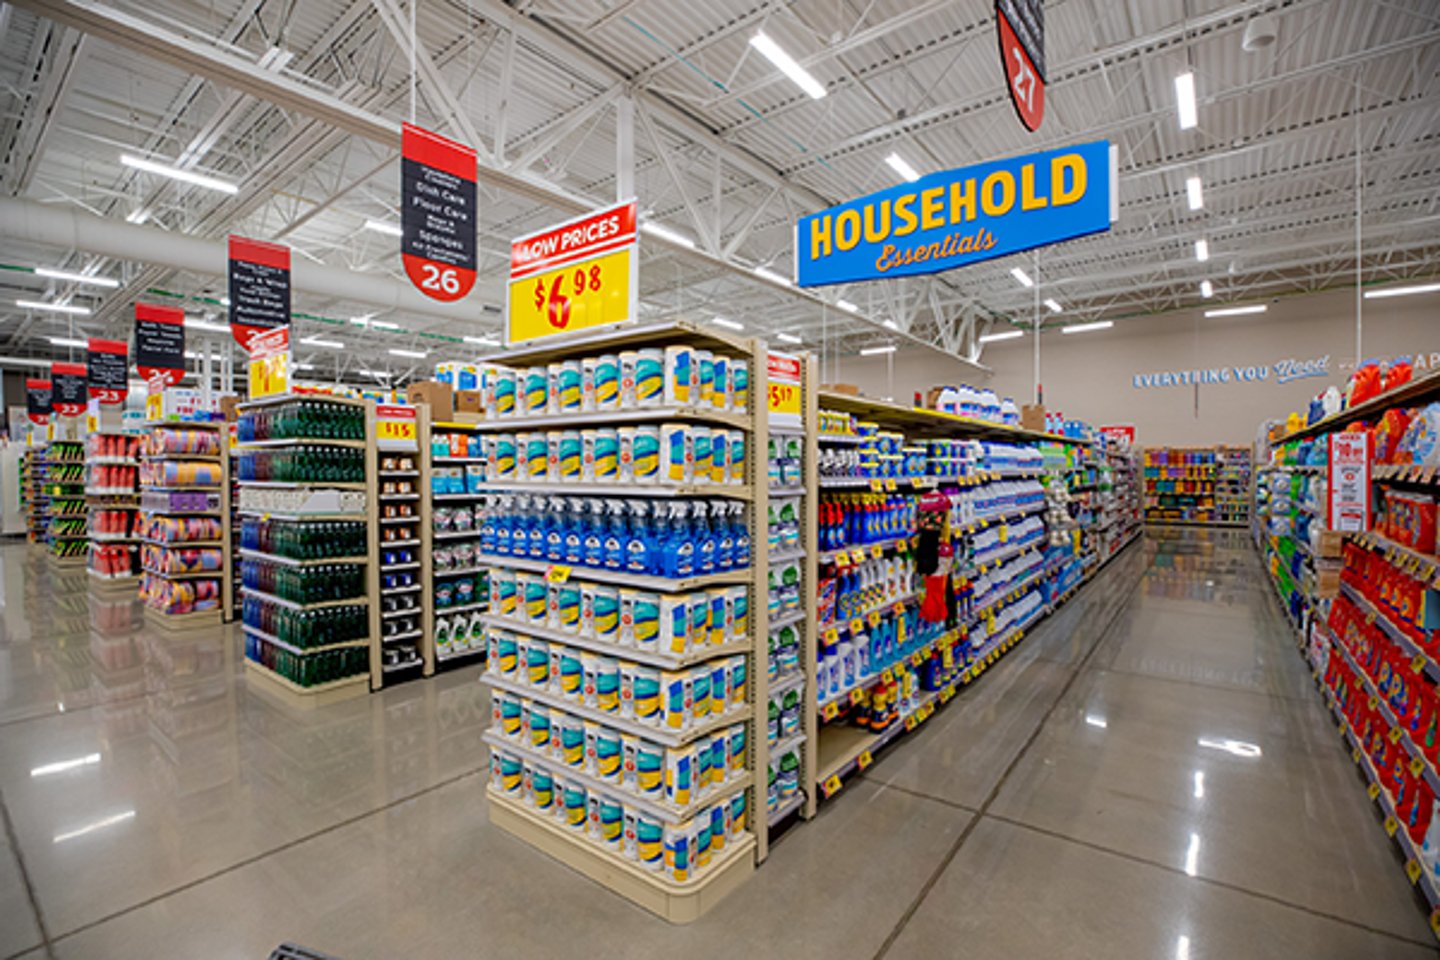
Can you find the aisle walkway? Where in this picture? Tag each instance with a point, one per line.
(1150, 774)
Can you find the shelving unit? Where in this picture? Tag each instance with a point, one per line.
(112, 493)
(309, 571)
(1197, 486)
(62, 485)
(538, 599)
(182, 470)
(402, 615)
(455, 463)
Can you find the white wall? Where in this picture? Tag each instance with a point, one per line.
(1092, 376)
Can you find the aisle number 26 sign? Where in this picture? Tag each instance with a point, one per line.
(575, 276)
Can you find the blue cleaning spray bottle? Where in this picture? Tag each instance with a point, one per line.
(639, 545)
(704, 538)
(616, 534)
(741, 533)
(555, 530)
(520, 527)
(538, 528)
(678, 548)
(725, 535)
(505, 503)
(574, 531)
(592, 524)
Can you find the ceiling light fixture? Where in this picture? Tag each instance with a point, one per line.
(1185, 101)
(53, 307)
(1086, 327)
(891, 324)
(1002, 335)
(175, 173)
(847, 306)
(69, 342)
(665, 233)
(877, 351)
(1194, 193)
(1237, 311)
(801, 77)
(1054, 307)
(1207, 289)
(412, 354)
(1022, 276)
(384, 325)
(139, 215)
(482, 341)
(731, 324)
(304, 366)
(318, 342)
(898, 164)
(1202, 250)
(76, 277)
(788, 338)
(380, 226)
(772, 276)
(1401, 291)
(195, 324)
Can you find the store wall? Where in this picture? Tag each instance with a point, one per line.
(1096, 376)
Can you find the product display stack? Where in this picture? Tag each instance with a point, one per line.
(112, 466)
(1180, 485)
(183, 527)
(456, 583)
(1232, 486)
(62, 484)
(36, 503)
(1118, 506)
(624, 595)
(309, 541)
(405, 652)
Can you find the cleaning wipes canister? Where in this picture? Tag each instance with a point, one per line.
(645, 698)
(607, 456)
(607, 613)
(720, 393)
(649, 840)
(628, 360)
(739, 613)
(676, 454)
(607, 382)
(678, 373)
(575, 801)
(680, 775)
(645, 454)
(570, 731)
(535, 391)
(739, 385)
(675, 695)
(674, 624)
(650, 377)
(719, 466)
(502, 454)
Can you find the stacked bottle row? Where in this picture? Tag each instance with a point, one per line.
(178, 560)
(304, 418)
(180, 529)
(180, 466)
(852, 590)
(859, 519)
(673, 538)
(318, 583)
(176, 597)
(177, 440)
(901, 685)
(866, 651)
(309, 540)
(303, 463)
(310, 669)
(675, 376)
(318, 627)
(668, 453)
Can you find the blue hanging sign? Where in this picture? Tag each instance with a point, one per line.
(958, 217)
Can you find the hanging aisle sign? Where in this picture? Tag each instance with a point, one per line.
(259, 288)
(576, 276)
(958, 217)
(437, 213)
(107, 367)
(1021, 26)
(160, 342)
(70, 394)
(38, 401)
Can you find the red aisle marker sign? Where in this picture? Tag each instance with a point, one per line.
(259, 288)
(1349, 483)
(108, 370)
(1022, 52)
(438, 213)
(70, 395)
(160, 342)
(1118, 432)
(38, 399)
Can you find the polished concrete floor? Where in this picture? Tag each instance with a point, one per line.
(1150, 774)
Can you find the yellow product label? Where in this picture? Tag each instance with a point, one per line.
(591, 293)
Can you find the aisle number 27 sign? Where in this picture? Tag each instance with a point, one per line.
(575, 276)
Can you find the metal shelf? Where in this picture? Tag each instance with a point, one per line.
(317, 605)
(639, 581)
(656, 658)
(571, 420)
(731, 491)
(286, 561)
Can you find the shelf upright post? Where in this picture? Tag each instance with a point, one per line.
(810, 537)
(372, 541)
(426, 532)
(757, 475)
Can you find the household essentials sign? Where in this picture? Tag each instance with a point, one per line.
(259, 288)
(958, 217)
(160, 342)
(575, 276)
(70, 393)
(437, 216)
(1021, 29)
(107, 370)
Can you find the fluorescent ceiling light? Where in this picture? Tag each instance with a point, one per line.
(384, 325)
(175, 173)
(77, 277)
(891, 324)
(787, 65)
(317, 342)
(224, 301)
(722, 322)
(194, 324)
(1401, 291)
(1238, 747)
(380, 226)
(876, 351)
(412, 354)
(377, 374)
(1236, 311)
(1202, 250)
(53, 307)
(1194, 193)
(772, 276)
(1022, 276)
(788, 338)
(1054, 307)
(898, 164)
(92, 827)
(483, 341)
(139, 215)
(304, 366)
(1085, 327)
(1185, 100)
(197, 355)
(1207, 289)
(63, 765)
(1002, 335)
(665, 233)
(847, 306)
(69, 342)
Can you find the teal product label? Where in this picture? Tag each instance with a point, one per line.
(507, 653)
(719, 688)
(570, 448)
(607, 686)
(535, 600)
(677, 453)
(572, 743)
(717, 827)
(646, 694)
(737, 457)
(570, 387)
(700, 618)
(607, 456)
(702, 840)
(512, 773)
(537, 663)
(649, 377)
(537, 456)
(612, 814)
(735, 746)
(505, 395)
(576, 802)
(649, 769)
(719, 465)
(677, 854)
(539, 727)
(505, 456)
(510, 715)
(707, 379)
(720, 375)
(700, 691)
(536, 390)
(739, 385)
(645, 455)
(677, 625)
(607, 615)
(737, 814)
(570, 672)
(719, 606)
(569, 606)
(649, 840)
(542, 788)
(740, 613)
(701, 442)
(505, 598)
(676, 702)
(737, 680)
(607, 382)
(645, 617)
(607, 755)
(678, 377)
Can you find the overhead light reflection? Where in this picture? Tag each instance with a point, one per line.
(1192, 854)
(1237, 747)
(1182, 948)
(63, 765)
(101, 824)
(1199, 784)
(1095, 721)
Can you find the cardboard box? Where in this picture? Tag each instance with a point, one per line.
(932, 398)
(849, 389)
(440, 397)
(468, 401)
(1032, 416)
(230, 408)
(1330, 543)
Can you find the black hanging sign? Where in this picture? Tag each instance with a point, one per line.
(259, 288)
(70, 397)
(438, 209)
(108, 370)
(1021, 25)
(37, 401)
(160, 342)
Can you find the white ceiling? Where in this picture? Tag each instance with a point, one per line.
(727, 150)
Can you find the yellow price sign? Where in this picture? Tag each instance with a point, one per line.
(1418, 663)
(877, 551)
(864, 760)
(578, 296)
(898, 609)
(877, 486)
(857, 695)
(1395, 734)
(873, 618)
(1391, 825)
(1374, 791)
(887, 675)
(397, 426)
(830, 787)
(857, 556)
(829, 711)
(1412, 871)
(784, 397)
(832, 636)
(910, 722)
(890, 486)
(395, 432)
(1435, 921)
(1417, 767)
(270, 376)
(1355, 754)
(557, 573)
(946, 693)
(916, 659)
(857, 626)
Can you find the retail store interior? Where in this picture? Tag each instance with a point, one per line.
(827, 479)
